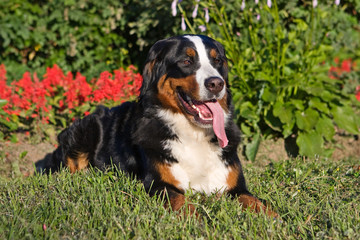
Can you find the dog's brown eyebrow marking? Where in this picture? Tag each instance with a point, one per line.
(213, 53)
(190, 52)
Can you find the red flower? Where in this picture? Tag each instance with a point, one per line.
(357, 95)
(336, 71)
(346, 65)
(32, 97)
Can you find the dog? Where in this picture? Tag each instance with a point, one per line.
(177, 136)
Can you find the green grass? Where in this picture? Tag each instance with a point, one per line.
(317, 199)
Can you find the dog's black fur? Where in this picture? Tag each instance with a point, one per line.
(132, 135)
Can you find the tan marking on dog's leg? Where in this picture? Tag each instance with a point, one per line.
(79, 163)
(232, 177)
(83, 161)
(255, 205)
(178, 202)
(166, 175)
(71, 164)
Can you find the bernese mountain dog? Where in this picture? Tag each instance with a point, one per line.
(177, 136)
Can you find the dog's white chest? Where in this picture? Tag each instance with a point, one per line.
(199, 166)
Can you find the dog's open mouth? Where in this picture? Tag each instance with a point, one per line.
(206, 113)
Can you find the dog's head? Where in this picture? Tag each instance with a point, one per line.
(189, 75)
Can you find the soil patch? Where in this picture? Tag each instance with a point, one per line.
(19, 158)
(345, 146)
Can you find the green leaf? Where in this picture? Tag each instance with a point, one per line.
(14, 138)
(301, 24)
(23, 154)
(345, 118)
(284, 112)
(12, 126)
(298, 104)
(319, 105)
(273, 122)
(310, 143)
(268, 95)
(325, 127)
(288, 71)
(315, 89)
(327, 96)
(248, 111)
(3, 102)
(306, 120)
(263, 76)
(288, 129)
(246, 129)
(252, 148)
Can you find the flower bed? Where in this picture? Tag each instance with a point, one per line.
(346, 70)
(59, 98)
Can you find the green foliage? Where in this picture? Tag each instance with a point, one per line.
(11, 125)
(75, 35)
(88, 36)
(280, 59)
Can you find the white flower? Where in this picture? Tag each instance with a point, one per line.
(207, 17)
(242, 5)
(269, 3)
(315, 3)
(183, 25)
(337, 2)
(202, 28)
(173, 7)
(194, 14)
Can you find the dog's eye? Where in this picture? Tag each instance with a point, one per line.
(187, 62)
(217, 60)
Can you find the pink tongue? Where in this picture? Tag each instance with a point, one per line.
(218, 122)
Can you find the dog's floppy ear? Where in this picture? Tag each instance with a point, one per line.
(225, 70)
(154, 65)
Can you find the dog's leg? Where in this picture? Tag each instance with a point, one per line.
(177, 202)
(238, 190)
(77, 145)
(250, 202)
(167, 187)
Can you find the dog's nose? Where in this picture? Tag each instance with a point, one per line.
(214, 84)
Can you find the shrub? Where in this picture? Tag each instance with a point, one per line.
(280, 56)
(89, 36)
(59, 98)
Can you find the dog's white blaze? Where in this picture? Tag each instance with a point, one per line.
(199, 166)
(206, 70)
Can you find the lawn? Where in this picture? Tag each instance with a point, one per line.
(316, 199)
(295, 80)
